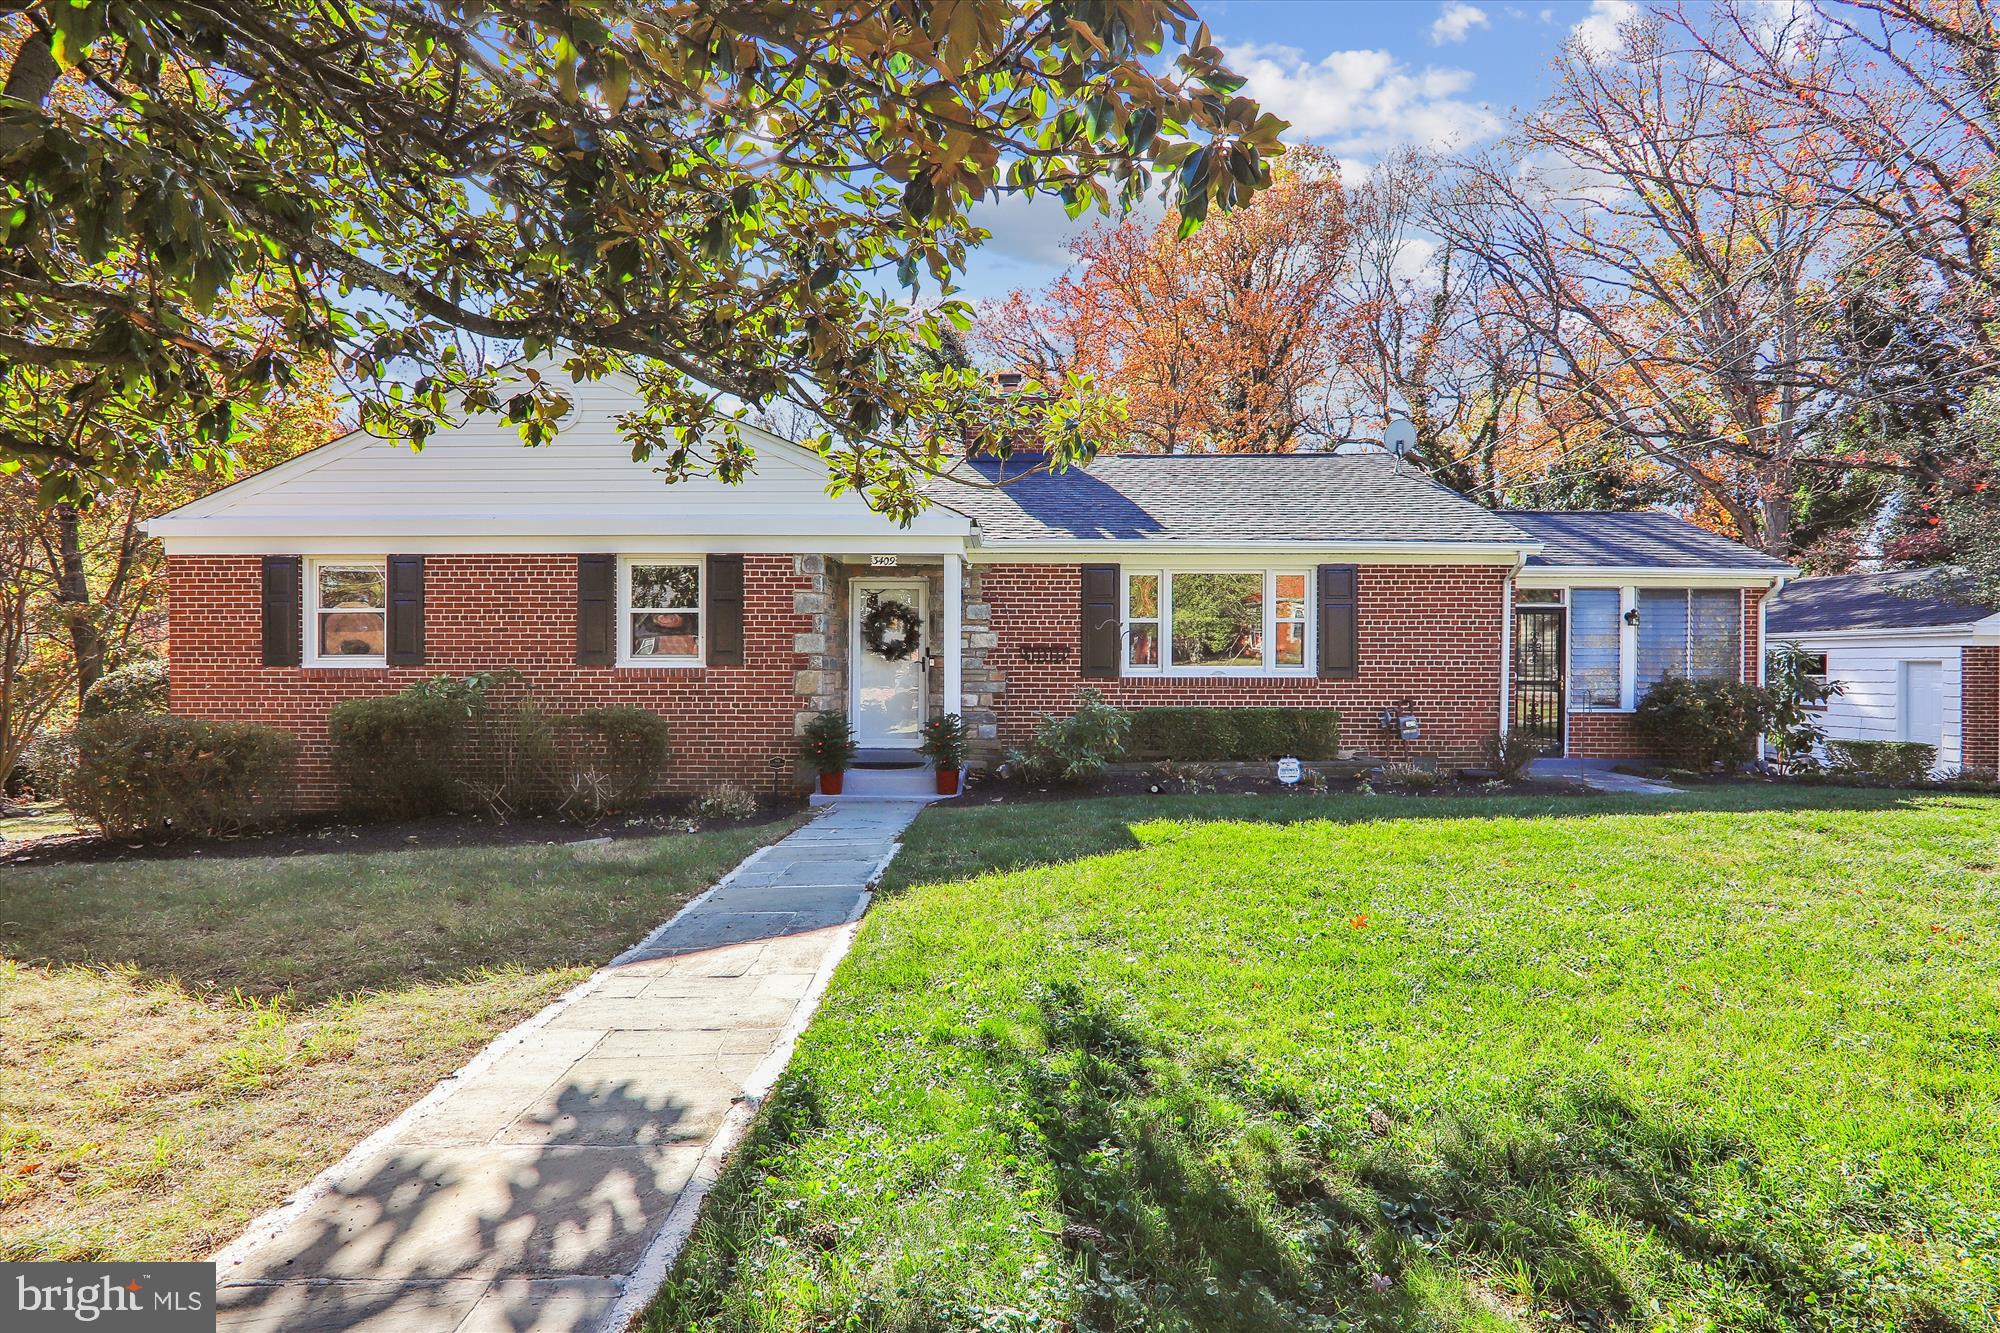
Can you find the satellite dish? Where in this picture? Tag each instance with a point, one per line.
(1400, 438)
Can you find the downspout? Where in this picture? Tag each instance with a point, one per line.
(1507, 645)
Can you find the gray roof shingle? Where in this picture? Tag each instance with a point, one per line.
(1645, 538)
(1222, 497)
(1884, 599)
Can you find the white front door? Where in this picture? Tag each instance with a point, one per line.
(887, 696)
(1923, 702)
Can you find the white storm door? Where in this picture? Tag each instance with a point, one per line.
(887, 697)
(1923, 702)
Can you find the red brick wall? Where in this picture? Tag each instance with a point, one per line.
(490, 611)
(1614, 736)
(1428, 633)
(1980, 708)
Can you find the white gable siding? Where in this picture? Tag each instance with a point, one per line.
(478, 479)
(1869, 707)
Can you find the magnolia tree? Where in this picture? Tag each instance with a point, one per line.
(712, 197)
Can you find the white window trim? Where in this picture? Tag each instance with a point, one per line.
(626, 658)
(310, 629)
(1166, 668)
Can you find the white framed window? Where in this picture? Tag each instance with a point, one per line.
(1625, 640)
(1696, 633)
(1596, 672)
(1289, 619)
(1142, 621)
(347, 612)
(1205, 622)
(660, 611)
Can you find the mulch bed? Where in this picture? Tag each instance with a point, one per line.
(334, 833)
(1236, 784)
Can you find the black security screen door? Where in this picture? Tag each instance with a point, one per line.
(1538, 675)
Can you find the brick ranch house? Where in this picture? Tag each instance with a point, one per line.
(1345, 581)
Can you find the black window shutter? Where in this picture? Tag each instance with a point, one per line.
(406, 610)
(1339, 639)
(284, 618)
(725, 610)
(596, 610)
(1102, 641)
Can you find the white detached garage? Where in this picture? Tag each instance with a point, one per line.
(1913, 661)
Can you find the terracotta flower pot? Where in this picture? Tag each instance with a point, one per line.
(831, 783)
(947, 781)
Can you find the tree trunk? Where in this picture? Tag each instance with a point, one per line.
(31, 79)
(86, 636)
(1777, 526)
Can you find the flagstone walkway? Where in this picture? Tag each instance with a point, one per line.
(549, 1184)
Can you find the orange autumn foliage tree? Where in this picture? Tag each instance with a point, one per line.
(1223, 341)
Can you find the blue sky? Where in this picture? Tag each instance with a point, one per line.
(1358, 77)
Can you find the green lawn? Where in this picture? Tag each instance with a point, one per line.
(184, 1042)
(1730, 1060)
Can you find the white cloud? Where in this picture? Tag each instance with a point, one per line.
(1363, 103)
(1456, 20)
(1598, 30)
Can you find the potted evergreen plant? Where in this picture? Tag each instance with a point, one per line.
(828, 745)
(944, 746)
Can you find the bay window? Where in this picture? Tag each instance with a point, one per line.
(1197, 622)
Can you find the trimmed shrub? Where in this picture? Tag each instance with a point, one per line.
(1699, 723)
(398, 755)
(1897, 762)
(606, 759)
(140, 687)
(153, 774)
(1206, 735)
(45, 765)
(1074, 748)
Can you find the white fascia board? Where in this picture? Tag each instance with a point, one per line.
(1927, 636)
(1571, 576)
(488, 541)
(1179, 553)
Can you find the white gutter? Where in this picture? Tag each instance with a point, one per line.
(1567, 574)
(992, 549)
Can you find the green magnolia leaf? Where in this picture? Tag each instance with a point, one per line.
(415, 191)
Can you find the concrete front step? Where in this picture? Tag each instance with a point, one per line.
(886, 784)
